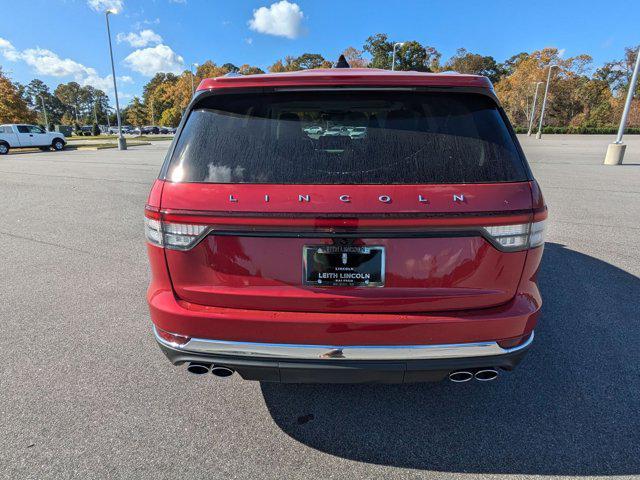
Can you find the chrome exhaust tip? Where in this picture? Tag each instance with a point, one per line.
(460, 376)
(222, 371)
(198, 368)
(486, 375)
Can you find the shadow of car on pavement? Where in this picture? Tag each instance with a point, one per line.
(571, 408)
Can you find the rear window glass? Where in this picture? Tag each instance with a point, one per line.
(348, 137)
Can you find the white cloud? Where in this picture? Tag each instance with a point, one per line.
(141, 39)
(48, 63)
(8, 51)
(149, 61)
(125, 79)
(249, 41)
(104, 5)
(177, 1)
(282, 19)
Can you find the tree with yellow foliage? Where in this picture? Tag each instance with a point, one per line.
(13, 108)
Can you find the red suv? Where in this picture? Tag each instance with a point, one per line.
(345, 225)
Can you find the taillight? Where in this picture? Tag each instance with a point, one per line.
(517, 237)
(175, 236)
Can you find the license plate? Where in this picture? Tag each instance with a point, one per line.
(343, 266)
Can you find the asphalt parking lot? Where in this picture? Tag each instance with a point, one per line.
(86, 393)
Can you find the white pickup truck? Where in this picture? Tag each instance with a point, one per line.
(28, 136)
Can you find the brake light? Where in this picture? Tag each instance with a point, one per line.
(517, 237)
(175, 236)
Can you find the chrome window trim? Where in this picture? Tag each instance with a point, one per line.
(350, 352)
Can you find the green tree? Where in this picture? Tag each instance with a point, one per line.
(70, 95)
(306, 61)
(473, 63)
(37, 92)
(412, 55)
(230, 67)
(136, 113)
(381, 50)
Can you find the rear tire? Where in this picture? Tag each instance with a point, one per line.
(4, 148)
(58, 145)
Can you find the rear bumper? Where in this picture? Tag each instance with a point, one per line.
(291, 363)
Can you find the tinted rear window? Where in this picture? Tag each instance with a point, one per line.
(382, 137)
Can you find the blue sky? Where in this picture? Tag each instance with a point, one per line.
(63, 40)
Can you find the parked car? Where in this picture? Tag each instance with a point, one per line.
(150, 130)
(313, 130)
(336, 130)
(84, 131)
(29, 136)
(358, 132)
(411, 256)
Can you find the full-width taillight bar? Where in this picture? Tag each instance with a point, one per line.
(183, 232)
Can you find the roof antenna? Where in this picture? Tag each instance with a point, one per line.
(342, 63)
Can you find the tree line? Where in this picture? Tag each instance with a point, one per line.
(580, 96)
(69, 104)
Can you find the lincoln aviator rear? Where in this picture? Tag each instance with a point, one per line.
(345, 225)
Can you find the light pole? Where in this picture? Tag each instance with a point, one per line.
(393, 60)
(544, 101)
(533, 107)
(44, 110)
(193, 87)
(615, 151)
(122, 143)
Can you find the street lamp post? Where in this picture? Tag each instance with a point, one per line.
(544, 101)
(393, 60)
(44, 110)
(193, 87)
(615, 151)
(122, 143)
(533, 108)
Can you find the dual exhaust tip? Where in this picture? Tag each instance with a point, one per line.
(484, 375)
(197, 368)
(458, 376)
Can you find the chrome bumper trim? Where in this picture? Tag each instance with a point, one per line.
(349, 352)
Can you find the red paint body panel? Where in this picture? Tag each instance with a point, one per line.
(324, 199)
(422, 275)
(514, 319)
(355, 77)
(438, 290)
